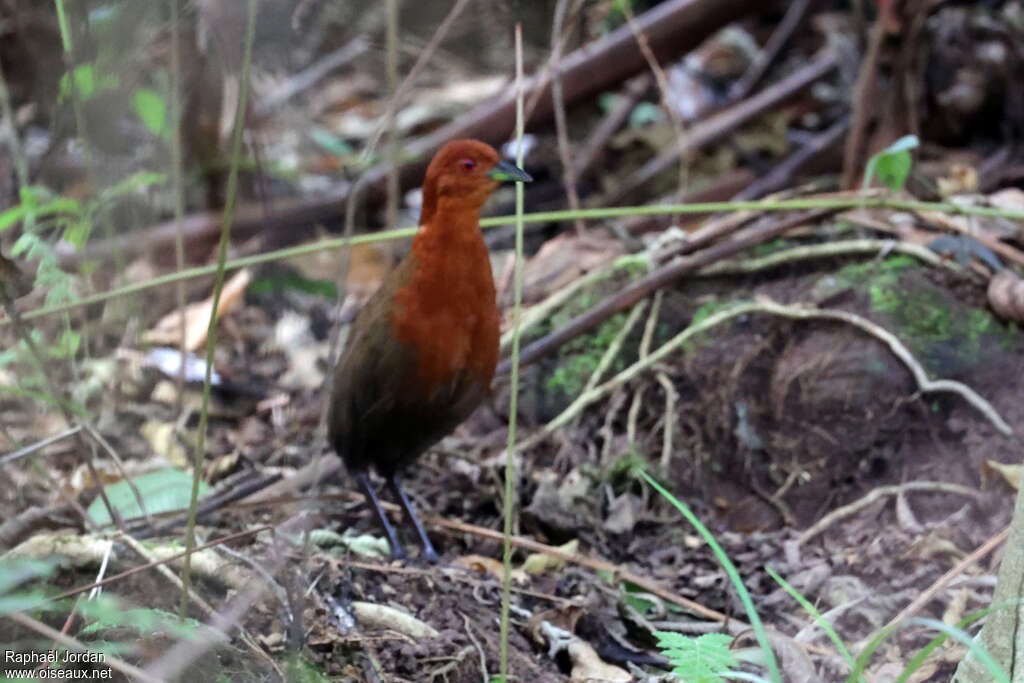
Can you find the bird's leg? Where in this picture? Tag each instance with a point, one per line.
(363, 479)
(429, 554)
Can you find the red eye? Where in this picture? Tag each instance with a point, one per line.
(467, 164)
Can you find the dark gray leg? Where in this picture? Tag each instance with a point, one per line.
(429, 554)
(363, 479)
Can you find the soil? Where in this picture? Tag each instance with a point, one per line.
(776, 424)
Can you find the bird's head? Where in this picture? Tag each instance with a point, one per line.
(463, 174)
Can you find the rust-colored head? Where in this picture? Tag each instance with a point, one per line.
(462, 175)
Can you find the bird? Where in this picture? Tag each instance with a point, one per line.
(421, 353)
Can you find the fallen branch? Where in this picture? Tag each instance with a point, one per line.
(879, 493)
(658, 279)
(724, 122)
(672, 29)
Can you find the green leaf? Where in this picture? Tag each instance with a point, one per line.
(77, 233)
(86, 82)
(330, 142)
(12, 216)
(67, 346)
(17, 570)
(60, 205)
(133, 183)
(26, 243)
(892, 165)
(112, 614)
(162, 491)
(644, 113)
(697, 660)
(151, 109)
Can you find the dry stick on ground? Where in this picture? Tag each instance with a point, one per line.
(678, 128)
(926, 596)
(454, 528)
(828, 250)
(310, 76)
(722, 123)
(879, 493)
(662, 277)
(782, 175)
(564, 153)
(170, 558)
(672, 28)
(794, 17)
(119, 464)
(610, 124)
(32, 448)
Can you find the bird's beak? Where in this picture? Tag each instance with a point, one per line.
(504, 171)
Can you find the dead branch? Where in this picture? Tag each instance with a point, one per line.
(662, 277)
(879, 493)
(672, 28)
(728, 120)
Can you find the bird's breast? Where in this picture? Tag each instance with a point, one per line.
(447, 315)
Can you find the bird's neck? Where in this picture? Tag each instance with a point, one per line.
(452, 261)
(449, 229)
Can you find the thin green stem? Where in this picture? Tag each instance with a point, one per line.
(540, 217)
(510, 467)
(211, 332)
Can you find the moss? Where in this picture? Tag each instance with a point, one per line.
(581, 356)
(945, 335)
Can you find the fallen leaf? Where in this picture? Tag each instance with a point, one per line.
(167, 332)
(1009, 473)
(541, 563)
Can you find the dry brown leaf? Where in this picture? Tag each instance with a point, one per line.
(1010, 473)
(488, 565)
(167, 332)
(540, 563)
(587, 666)
(163, 441)
(565, 258)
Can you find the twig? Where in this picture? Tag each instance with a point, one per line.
(615, 346)
(658, 279)
(926, 596)
(38, 445)
(794, 16)
(678, 128)
(311, 75)
(670, 403)
(393, 155)
(722, 123)
(879, 493)
(426, 54)
(211, 334)
(828, 250)
(782, 174)
(610, 124)
(476, 644)
(558, 105)
(119, 464)
(538, 312)
(454, 528)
